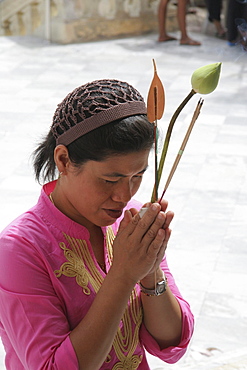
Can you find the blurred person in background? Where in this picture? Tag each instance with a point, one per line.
(236, 22)
(214, 8)
(181, 16)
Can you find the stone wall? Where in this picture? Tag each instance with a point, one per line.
(69, 21)
(90, 20)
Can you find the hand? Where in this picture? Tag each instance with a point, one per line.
(169, 214)
(140, 244)
(148, 280)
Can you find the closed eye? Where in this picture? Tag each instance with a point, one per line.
(110, 181)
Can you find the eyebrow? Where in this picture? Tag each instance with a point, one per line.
(116, 174)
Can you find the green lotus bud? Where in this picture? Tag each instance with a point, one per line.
(205, 79)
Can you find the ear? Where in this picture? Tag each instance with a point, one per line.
(61, 158)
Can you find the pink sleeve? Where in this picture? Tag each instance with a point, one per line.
(34, 328)
(171, 354)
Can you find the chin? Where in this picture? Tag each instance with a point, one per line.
(109, 223)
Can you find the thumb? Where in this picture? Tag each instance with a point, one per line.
(125, 221)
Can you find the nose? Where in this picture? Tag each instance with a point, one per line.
(122, 193)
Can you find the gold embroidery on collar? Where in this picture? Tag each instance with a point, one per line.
(79, 258)
(127, 337)
(80, 265)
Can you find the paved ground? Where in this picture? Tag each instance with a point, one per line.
(208, 249)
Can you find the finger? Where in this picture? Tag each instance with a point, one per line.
(162, 250)
(128, 215)
(140, 225)
(165, 241)
(158, 224)
(168, 235)
(147, 205)
(155, 247)
(125, 221)
(133, 211)
(169, 218)
(164, 205)
(144, 222)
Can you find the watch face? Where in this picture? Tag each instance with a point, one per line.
(161, 287)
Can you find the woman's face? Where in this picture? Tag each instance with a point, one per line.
(97, 194)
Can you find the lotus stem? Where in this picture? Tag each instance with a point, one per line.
(167, 139)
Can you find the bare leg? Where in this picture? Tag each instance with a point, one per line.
(162, 13)
(214, 8)
(221, 32)
(185, 39)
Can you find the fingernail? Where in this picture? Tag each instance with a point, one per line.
(154, 206)
(161, 215)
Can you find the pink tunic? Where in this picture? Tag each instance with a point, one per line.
(48, 279)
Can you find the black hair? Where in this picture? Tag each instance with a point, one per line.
(131, 134)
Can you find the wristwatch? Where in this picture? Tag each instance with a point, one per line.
(158, 290)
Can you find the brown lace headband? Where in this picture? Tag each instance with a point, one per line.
(93, 105)
(106, 116)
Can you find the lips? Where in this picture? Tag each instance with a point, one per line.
(114, 213)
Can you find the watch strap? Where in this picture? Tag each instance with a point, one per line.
(159, 289)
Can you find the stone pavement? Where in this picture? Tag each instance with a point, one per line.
(208, 249)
